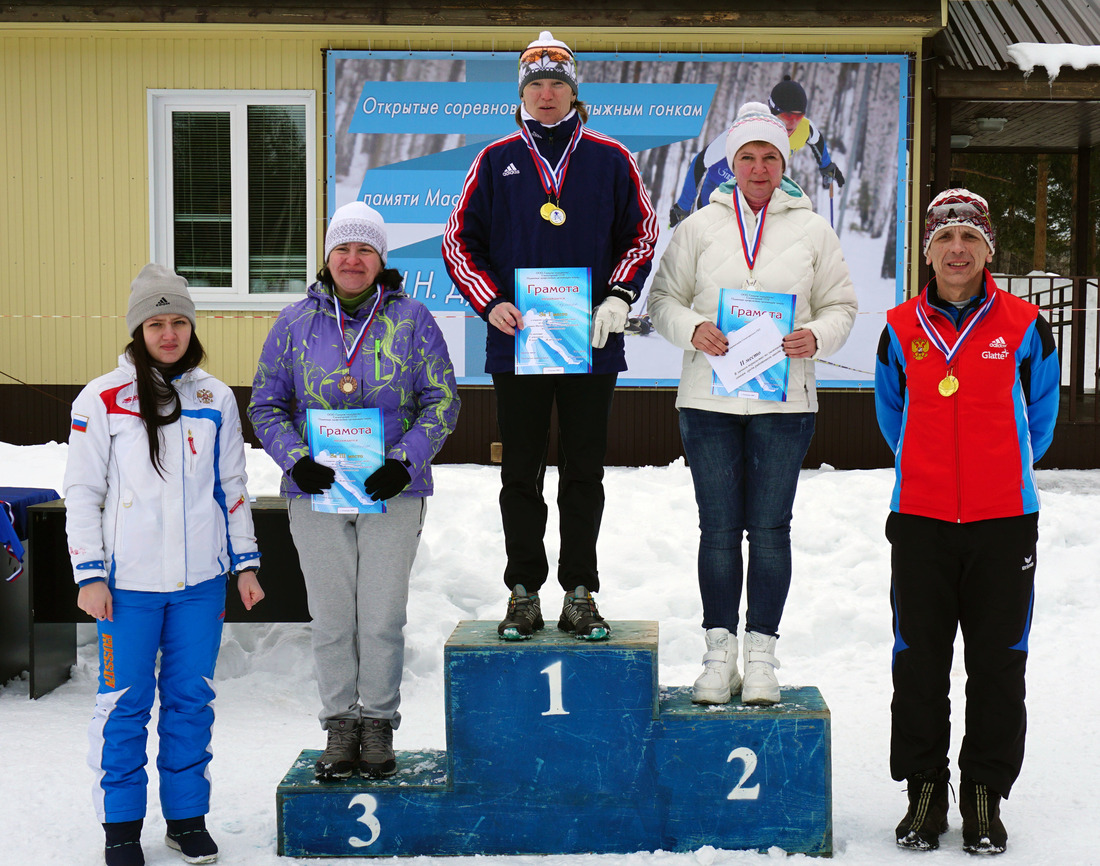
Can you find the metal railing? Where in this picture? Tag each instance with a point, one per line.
(1070, 305)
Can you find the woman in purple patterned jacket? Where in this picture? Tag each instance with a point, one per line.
(357, 341)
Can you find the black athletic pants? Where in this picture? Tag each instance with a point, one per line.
(523, 415)
(978, 577)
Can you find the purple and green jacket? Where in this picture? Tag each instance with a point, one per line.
(402, 368)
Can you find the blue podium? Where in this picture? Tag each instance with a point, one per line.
(560, 746)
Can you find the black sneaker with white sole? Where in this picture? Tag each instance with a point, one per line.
(524, 616)
(123, 843)
(580, 617)
(189, 837)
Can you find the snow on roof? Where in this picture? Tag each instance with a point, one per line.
(1028, 55)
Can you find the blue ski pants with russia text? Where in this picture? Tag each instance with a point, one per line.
(186, 627)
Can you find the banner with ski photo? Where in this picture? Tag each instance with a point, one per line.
(402, 129)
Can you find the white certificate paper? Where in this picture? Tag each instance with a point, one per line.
(753, 349)
(755, 323)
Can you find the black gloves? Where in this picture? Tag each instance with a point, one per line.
(314, 477)
(311, 476)
(676, 215)
(387, 482)
(831, 173)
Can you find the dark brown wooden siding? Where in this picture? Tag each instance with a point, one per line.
(919, 14)
(643, 429)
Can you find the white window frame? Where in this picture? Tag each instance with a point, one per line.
(161, 104)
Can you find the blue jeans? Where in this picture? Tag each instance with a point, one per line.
(745, 469)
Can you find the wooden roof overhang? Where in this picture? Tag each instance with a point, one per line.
(925, 15)
(976, 76)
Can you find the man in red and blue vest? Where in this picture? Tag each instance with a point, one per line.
(966, 392)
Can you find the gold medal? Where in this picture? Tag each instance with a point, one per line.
(348, 384)
(557, 216)
(546, 210)
(948, 385)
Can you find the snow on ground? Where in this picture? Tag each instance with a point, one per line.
(835, 635)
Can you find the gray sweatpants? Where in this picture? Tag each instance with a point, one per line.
(356, 569)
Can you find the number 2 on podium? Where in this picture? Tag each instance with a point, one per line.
(553, 676)
(748, 758)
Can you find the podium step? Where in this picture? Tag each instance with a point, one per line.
(562, 746)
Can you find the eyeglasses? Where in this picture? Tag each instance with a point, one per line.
(557, 55)
(957, 210)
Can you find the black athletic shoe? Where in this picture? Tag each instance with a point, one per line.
(580, 618)
(376, 758)
(123, 846)
(926, 819)
(341, 754)
(983, 832)
(189, 837)
(524, 616)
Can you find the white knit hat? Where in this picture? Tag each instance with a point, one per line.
(157, 291)
(356, 223)
(547, 57)
(755, 122)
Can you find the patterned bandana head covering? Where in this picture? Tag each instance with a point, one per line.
(547, 57)
(958, 207)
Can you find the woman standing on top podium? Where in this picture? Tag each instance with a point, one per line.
(554, 194)
(157, 517)
(759, 234)
(357, 341)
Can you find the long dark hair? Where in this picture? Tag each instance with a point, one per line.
(155, 388)
(388, 278)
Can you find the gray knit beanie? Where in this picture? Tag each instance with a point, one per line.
(157, 291)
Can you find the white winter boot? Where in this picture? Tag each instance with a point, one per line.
(761, 687)
(720, 678)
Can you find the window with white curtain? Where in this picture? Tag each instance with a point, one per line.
(232, 203)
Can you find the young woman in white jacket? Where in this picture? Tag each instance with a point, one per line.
(745, 454)
(157, 517)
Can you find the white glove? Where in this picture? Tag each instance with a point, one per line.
(610, 318)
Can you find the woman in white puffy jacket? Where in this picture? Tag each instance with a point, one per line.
(744, 453)
(157, 517)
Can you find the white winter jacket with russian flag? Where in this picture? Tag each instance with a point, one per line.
(135, 528)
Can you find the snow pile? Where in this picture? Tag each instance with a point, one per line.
(1028, 55)
(835, 634)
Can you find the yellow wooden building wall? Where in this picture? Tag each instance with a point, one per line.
(74, 158)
